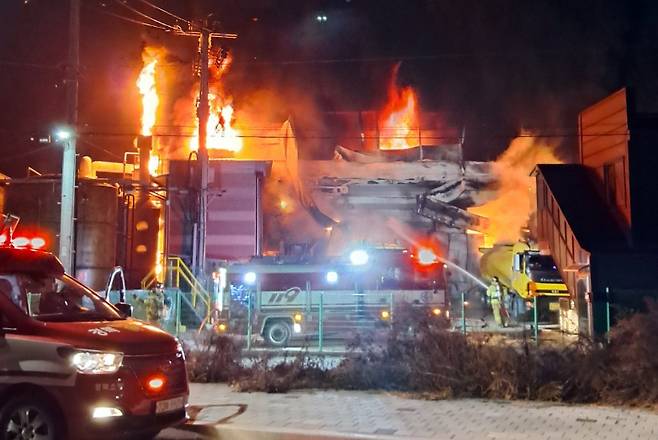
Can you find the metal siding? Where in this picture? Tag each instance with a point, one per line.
(232, 223)
(604, 137)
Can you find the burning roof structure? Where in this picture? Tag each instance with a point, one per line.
(388, 177)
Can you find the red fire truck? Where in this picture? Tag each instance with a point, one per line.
(333, 300)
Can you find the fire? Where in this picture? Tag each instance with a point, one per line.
(146, 83)
(399, 123)
(222, 135)
(514, 205)
(154, 164)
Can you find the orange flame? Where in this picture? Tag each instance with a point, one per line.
(222, 135)
(146, 84)
(513, 206)
(399, 121)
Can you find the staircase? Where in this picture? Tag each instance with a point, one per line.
(195, 300)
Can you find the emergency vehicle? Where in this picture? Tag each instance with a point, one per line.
(333, 299)
(72, 365)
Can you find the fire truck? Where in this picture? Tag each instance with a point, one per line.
(73, 365)
(283, 302)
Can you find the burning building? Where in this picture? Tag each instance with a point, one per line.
(389, 178)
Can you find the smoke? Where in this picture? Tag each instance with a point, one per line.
(515, 201)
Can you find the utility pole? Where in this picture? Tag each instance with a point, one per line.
(203, 113)
(205, 37)
(67, 203)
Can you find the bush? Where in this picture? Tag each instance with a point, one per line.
(213, 358)
(428, 359)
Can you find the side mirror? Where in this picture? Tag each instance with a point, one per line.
(517, 265)
(125, 309)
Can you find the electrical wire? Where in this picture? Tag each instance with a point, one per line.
(99, 148)
(334, 137)
(165, 11)
(148, 17)
(131, 20)
(7, 63)
(5, 158)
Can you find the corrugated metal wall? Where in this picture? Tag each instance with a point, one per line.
(604, 137)
(234, 217)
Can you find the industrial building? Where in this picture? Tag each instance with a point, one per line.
(598, 217)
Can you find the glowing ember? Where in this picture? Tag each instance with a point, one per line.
(399, 122)
(146, 85)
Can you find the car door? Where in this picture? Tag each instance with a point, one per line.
(25, 357)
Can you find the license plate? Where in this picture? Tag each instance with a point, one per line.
(554, 306)
(169, 405)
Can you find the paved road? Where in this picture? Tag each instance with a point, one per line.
(220, 413)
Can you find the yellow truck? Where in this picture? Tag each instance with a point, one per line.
(523, 270)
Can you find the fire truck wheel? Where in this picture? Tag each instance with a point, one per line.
(277, 333)
(29, 417)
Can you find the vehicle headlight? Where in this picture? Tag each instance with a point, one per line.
(96, 362)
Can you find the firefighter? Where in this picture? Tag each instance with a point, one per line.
(496, 296)
(155, 304)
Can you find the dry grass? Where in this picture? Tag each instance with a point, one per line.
(426, 359)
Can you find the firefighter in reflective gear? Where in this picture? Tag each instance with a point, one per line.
(496, 296)
(155, 304)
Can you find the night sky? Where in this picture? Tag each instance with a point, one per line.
(493, 66)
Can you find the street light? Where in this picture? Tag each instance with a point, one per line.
(63, 134)
(66, 136)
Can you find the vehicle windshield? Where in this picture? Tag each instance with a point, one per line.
(57, 298)
(541, 262)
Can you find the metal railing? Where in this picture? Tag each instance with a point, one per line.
(319, 320)
(178, 275)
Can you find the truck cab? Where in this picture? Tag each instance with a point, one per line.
(72, 365)
(536, 274)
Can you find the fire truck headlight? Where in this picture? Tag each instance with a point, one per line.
(298, 317)
(359, 257)
(96, 362)
(436, 311)
(332, 277)
(250, 278)
(297, 327)
(385, 314)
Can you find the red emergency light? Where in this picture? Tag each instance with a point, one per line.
(23, 242)
(426, 257)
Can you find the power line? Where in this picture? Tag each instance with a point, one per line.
(99, 148)
(148, 17)
(165, 11)
(131, 20)
(18, 64)
(4, 158)
(343, 137)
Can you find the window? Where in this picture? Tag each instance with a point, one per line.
(55, 298)
(610, 183)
